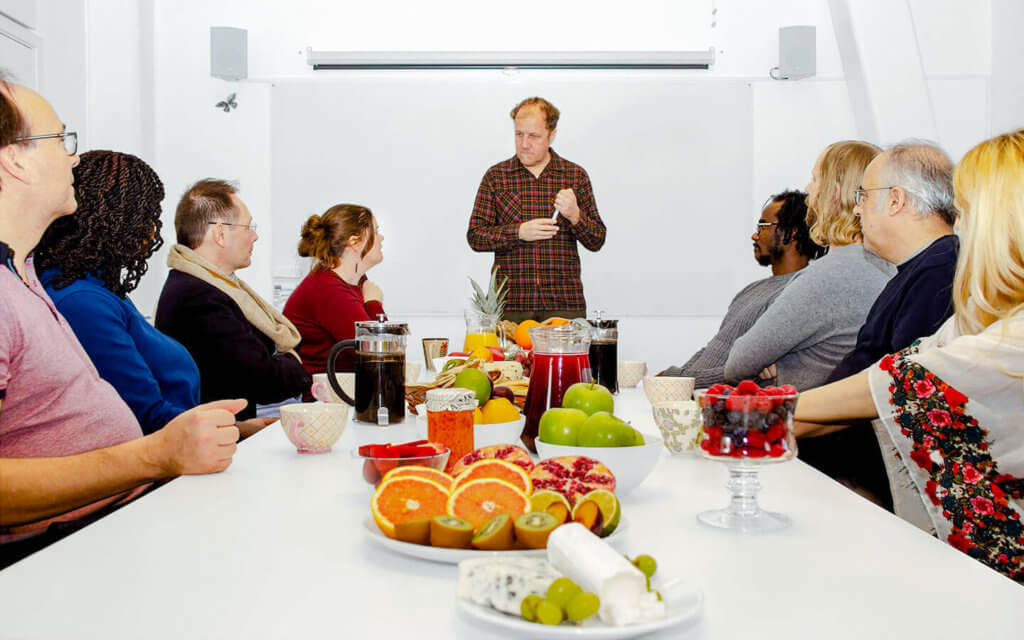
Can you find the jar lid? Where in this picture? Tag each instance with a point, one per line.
(455, 399)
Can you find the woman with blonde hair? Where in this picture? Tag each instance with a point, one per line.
(951, 406)
(813, 323)
(345, 243)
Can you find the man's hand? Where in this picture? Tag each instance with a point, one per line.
(771, 372)
(538, 229)
(371, 291)
(253, 425)
(565, 202)
(201, 440)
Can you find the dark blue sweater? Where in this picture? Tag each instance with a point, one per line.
(914, 304)
(153, 373)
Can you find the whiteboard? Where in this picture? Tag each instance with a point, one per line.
(669, 157)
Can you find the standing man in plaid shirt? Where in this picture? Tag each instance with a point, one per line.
(530, 211)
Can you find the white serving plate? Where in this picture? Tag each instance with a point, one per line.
(455, 556)
(683, 604)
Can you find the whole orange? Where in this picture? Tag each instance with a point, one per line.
(523, 333)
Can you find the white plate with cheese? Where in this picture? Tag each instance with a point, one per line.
(683, 604)
(455, 556)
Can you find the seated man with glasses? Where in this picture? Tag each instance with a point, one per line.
(244, 348)
(782, 242)
(70, 449)
(907, 213)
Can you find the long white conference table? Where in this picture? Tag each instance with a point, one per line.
(274, 547)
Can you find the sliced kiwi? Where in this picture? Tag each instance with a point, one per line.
(533, 529)
(414, 531)
(450, 531)
(497, 534)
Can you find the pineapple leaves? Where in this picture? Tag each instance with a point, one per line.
(492, 301)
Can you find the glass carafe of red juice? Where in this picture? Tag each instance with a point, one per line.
(560, 359)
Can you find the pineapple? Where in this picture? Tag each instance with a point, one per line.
(492, 302)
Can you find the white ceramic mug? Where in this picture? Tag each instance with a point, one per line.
(322, 391)
(666, 388)
(630, 372)
(314, 427)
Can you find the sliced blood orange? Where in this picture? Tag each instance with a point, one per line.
(495, 468)
(480, 500)
(510, 452)
(406, 498)
(440, 477)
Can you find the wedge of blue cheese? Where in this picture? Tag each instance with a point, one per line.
(502, 583)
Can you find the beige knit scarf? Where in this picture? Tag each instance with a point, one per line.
(268, 320)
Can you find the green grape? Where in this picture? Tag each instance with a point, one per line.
(582, 606)
(646, 564)
(528, 608)
(648, 581)
(562, 590)
(549, 613)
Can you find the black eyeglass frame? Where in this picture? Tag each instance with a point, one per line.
(251, 226)
(72, 149)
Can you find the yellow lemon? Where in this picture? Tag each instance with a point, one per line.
(478, 416)
(499, 410)
(482, 353)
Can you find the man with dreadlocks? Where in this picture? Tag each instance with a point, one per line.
(70, 448)
(782, 242)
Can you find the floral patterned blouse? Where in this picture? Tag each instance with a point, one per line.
(951, 409)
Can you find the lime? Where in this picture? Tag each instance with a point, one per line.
(476, 381)
(528, 608)
(562, 590)
(549, 613)
(611, 510)
(582, 606)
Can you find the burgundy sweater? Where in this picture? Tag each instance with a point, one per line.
(324, 308)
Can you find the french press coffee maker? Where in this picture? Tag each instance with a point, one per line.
(379, 371)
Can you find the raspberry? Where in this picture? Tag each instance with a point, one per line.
(735, 403)
(747, 388)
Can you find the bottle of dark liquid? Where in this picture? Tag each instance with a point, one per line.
(604, 353)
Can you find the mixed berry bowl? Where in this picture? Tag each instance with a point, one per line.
(748, 422)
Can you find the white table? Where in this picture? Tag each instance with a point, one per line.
(274, 548)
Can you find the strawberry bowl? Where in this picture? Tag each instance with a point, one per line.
(378, 459)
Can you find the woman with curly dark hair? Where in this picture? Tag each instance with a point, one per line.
(91, 260)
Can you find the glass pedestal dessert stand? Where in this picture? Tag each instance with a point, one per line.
(745, 433)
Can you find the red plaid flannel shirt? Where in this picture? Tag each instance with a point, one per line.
(544, 274)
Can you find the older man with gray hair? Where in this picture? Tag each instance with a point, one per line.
(907, 214)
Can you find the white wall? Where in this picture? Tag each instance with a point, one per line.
(151, 93)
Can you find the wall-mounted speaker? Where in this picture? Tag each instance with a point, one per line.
(229, 53)
(797, 53)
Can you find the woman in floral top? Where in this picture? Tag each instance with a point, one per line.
(951, 406)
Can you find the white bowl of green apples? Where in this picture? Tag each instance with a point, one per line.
(585, 425)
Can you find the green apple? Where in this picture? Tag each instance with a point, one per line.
(561, 426)
(605, 430)
(589, 398)
(638, 438)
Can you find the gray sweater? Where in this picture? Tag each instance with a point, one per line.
(707, 366)
(813, 323)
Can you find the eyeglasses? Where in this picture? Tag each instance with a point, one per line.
(861, 193)
(761, 226)
(250, 226)
(69, 138)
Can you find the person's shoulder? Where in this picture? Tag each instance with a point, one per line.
(560, 163)
(940, 254)
(183, 289)
(503, 167)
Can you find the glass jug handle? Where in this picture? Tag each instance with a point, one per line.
(332, 370)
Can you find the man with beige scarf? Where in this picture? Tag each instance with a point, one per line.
(244, 348)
